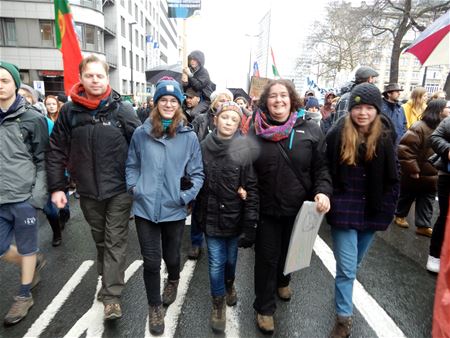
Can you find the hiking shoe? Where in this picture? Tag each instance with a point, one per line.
(112, 311)
(40, 263)
(285, 293)
(170, 292)
(19, 310)
(218, 314)
(342, 327)
(195, 253)
(401, 222)
(231, 296)
(156, 319)
(265, 323)
(433, 264)
(424, 231)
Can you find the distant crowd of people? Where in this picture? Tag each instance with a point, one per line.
(241, 167)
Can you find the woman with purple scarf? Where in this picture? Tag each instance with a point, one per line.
(291, 167)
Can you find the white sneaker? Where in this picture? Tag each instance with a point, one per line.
(433, 264)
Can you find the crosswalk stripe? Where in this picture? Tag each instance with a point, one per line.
(49, 313)
(174, 310)
(373, 313)
(92, 320)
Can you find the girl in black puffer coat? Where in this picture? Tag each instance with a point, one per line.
(226, 208)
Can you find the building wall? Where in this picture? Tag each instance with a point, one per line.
(99, 26)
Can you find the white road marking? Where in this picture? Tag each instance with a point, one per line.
(92, 320)
(232, 326)
(373, 313)
(49, 313)
(174, 310)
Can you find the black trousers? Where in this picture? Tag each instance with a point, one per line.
(423, 209)
(272, 243)
(439, 227)
(159, 240)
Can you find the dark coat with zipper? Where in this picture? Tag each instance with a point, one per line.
(440, 142)
(413, 153)
(219, 211)
(280, 191)
(93, 146)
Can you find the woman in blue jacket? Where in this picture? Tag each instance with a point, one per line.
(164, 172)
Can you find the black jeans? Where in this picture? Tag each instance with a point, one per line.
(109, 227)
(424, 206)
(439, 227)
(153, 237)
(272, 242)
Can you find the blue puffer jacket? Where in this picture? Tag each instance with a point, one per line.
(154, 168)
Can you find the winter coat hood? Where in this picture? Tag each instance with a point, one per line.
(197, 55)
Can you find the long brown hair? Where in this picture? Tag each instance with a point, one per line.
(351, 139)
(296, 102)
(157, 127)
(58, 105)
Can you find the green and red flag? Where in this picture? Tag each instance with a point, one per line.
(274, 65)
(67, 43)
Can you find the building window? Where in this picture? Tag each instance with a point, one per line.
(137, 62)
(122, 26)
(47, 38)
(79, 28)
(136, 38)
(130, 33)
(142, 65)
(142, 19)
(90, 37)
(8, 32)
(124, 86)
(136, 13)
(124, 57)
(142, 42)
(122, 3)
(130, 7)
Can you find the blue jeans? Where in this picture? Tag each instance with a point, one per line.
(222, 257)
(349, 247)
(196, 232)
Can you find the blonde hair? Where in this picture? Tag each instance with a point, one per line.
(158, 129)
(417, 103)
(351, 139)
(217, 98)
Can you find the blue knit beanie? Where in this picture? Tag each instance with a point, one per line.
(312, 102)
(168, 86)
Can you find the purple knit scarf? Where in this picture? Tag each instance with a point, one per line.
(271, 132)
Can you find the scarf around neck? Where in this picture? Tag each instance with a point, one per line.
(275, 133)
(78, 95)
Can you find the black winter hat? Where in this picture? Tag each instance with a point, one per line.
(365, 93)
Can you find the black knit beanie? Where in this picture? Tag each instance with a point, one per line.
(365, 93)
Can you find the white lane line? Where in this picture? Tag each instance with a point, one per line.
(174, 310)
(49, 313)
(373, 313)
(92, 320)
(232, 327)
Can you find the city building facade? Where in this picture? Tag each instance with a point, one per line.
(131, 35)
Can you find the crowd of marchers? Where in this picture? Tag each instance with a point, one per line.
(241, 167)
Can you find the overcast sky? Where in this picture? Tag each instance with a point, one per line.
(223, 32)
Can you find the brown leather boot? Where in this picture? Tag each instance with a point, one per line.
(170, 292)
(218, 314)
(231, 296)
(285, 293)
(342, 327)
(265, 323)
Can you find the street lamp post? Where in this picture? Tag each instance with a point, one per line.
(131, 59)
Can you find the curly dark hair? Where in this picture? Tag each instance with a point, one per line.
(293, 95)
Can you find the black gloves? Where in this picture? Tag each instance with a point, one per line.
(186, 183)
(248, 236)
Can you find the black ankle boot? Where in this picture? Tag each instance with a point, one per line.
(56, 228)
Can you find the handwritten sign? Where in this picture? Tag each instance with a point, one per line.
(304, 233)
(257, 86)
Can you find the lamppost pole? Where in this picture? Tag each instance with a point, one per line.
(131, 59)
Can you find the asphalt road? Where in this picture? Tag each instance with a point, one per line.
(395, 297)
